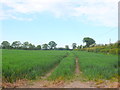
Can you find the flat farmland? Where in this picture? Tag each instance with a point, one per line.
(31, 64)
(19, 64)
(98, 66)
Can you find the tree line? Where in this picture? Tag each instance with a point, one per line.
(27, 46)
(50, 46)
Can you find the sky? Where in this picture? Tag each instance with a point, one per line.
(62, 21)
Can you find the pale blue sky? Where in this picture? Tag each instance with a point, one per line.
(64, 22)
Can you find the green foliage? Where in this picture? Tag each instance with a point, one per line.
(98, 66)
(52, 45)
(25, 45)
(31, 46)
(16, 44)
(66, 68)
(88, 41)
(20, 64)
(74, 45)
(79, 47)
(39, 47)
(45, 46)
(107, 48)
(66, 47)
(114, 51)
(5, 45)
(24, 64)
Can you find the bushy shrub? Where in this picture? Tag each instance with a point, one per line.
(104, 50)
(113, 51)
(107, 48)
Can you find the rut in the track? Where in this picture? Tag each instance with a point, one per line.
(49, 73)
(77, 70)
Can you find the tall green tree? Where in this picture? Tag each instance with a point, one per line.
(45, 46)
(31, 46)
(74, 45)
(0, 46)
(66, 47)
(52, 45)
(25, 45)
(5, 45)
(16, 44)
(38, 47)
(79, 47)
(88, 41)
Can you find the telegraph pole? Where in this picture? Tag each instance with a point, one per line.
(110, 41)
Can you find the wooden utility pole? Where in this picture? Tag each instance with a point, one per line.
(110, 41)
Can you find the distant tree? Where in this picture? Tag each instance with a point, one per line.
(16, 44)
(31, 46)
(25, 45)
(88, 41)
(118, 42)
(79, 47)
(38, 47)
(52, 45)
(0, 46)
(74, 45)
(45, 46)
(5, 45)
(66, 47)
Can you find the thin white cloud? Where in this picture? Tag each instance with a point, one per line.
(102, 12)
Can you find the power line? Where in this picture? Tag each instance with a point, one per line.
(102, 34)
(106, 33)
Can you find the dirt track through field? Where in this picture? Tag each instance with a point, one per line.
(77, 66)
(44, 83)
(49, 73)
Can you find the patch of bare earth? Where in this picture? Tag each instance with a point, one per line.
(15, 84)
(61, 84)
(44, 84)
(91, 84)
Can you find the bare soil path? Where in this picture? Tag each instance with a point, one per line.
(49, 73)
(77, 70)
